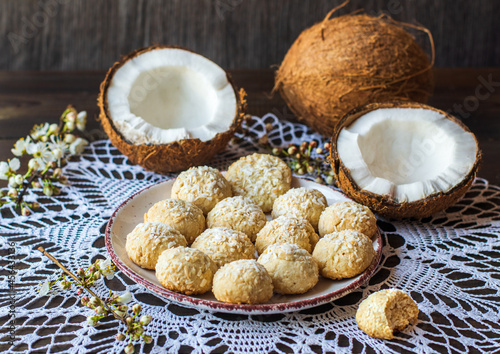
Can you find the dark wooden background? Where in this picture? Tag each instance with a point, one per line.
(92, 34)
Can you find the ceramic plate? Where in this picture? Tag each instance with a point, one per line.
(131, 213)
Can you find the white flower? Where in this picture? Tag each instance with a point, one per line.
(44, 289)
(81, 120)
(14, 164)
(58, 147)
(53, 129)
(40, 130)
(12, 182)
(20, 146)
(34, 164)
(107, 268)
(40, 151)
(7, 168)
(78, 146)
(124, 298)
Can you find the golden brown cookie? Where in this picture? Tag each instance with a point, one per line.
(238, 213)
(243, 282)
(147, 241)
(343, 254)
(347, 216)
(292, 268)
(260, 177)
(183, 216)
(286, 229)
(224, 245)
(185, 270)
(301, 203)
(203, 186)
(386, 311)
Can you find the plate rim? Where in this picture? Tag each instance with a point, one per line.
(211, 305)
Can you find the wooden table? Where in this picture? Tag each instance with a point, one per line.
(28, 97)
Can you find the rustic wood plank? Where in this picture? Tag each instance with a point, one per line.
(92, 34)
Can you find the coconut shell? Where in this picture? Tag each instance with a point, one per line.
(348, 61)
(172, 157)
(381, 204)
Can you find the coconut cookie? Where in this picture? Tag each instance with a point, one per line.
(343, 254)
(292, 268)
(347, 216)
(238, 213)
(183, 216)
(286, 229)
(386, 311)
(224, 245)
(147, 241)
(301, 203)
(260, 177)
(243, 282)
(185, 270)
(203, 186)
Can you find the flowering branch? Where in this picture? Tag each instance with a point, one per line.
(49, 146)
(113, 305)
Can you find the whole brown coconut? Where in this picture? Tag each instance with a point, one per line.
(170, 157)
(348, 61)
(382, 204)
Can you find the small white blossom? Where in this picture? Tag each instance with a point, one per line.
(107, 268)
(53, 129)
(124, 298)
(81, 120)
(71, 117)
(20, 146)
(44, 289)
(78, 146)
(14, 164)
(41, 151)
(69, 138)
(146, 319)
(40, 130)
(34, 164)
(12, 182)
(70, 125)
(58, 147)
(4, 170)
(92, 320)
(19, 179)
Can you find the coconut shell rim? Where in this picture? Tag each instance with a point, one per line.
(391, 205)
(102, 100)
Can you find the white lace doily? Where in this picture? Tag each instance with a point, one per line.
(449, 264)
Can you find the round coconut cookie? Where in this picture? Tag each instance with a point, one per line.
(183, 216)
(243, 282)
(224, 245)
(301, 203)
(148, 240)
(260, 177)
(343, 254)
(238, 213)
(292, 268)
(203, 186)
(347, 216)
(185, 270)
(386, 311)
(286, 229)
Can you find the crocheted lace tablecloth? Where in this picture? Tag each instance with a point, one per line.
(449, 264)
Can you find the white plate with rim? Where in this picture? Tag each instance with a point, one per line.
(131, 212)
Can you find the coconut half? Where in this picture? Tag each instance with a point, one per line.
(404, 159)
(167, 108)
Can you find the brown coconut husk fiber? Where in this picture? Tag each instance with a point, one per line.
(348, 61)
(172, 157)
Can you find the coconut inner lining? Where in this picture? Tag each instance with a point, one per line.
(173, 97)
(170, 94)
(406, 153)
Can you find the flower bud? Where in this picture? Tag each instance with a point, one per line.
(33, 164)
(12, 182)
(319, 180)
(70, 126)
(276, 151)
(36, 184)
(292, 150)
(53, 129)
(310, 169)
(298, 156)
(124, 298)
(136, 308)
(35, 205)
(69, 138)
(92, 320)
(19, 179)
(79, 291)
(56, 190)
(313, 144)
(120, 336)
(269, 127)
(80, 271)
(44, 138)
(129, 320)
(319, 151)
(63, 180)
(97, 276)
(25, 211)
(327, 146)
(146, 319)
(139, 330)
(123, 308)
(92, 268)
(65, 285)
(93, 301)
(99, 310)
(330, 180)
(47, 190)
(85, 300)
(71, 117)
(57, 153)
(148, 339)
(12, 192)
(129, 349)
(301, 171)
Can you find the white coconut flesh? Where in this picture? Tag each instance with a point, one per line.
(406, 154)
(170, 94)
